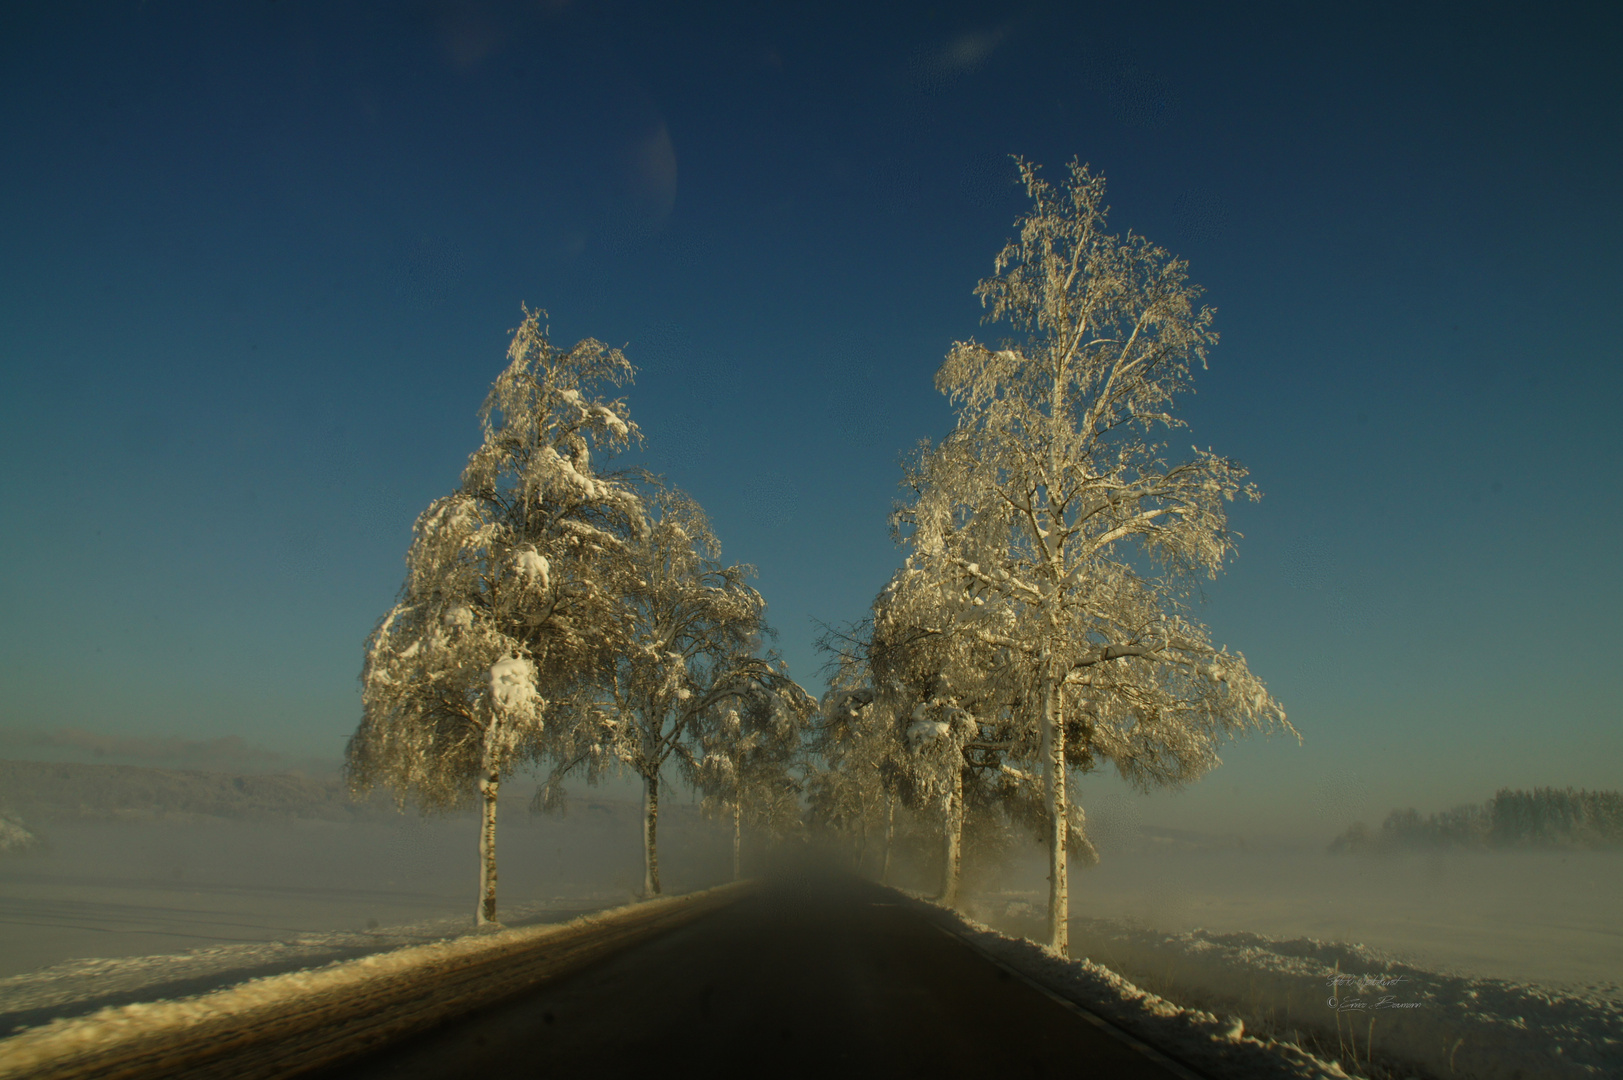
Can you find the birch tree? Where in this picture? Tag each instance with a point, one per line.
(877, 751)
(853, 783)
(750, 754)
(925, 715)
(510, 603)
(693, 628)
(1051, 527)
(957, 701)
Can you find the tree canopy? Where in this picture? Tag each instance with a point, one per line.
(509, 607)
(1053, 545)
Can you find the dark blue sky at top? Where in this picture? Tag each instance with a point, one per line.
(260, 261)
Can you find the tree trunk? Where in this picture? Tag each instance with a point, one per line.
(890, 836)
(738, 839)
(955, 838)
(1059, 893)
(489, 781)
(650, 828)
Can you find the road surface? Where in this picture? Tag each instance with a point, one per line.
(800, 978)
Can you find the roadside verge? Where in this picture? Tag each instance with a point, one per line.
(302, 1020)
(1196, 1042)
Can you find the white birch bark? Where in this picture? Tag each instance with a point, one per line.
(1059, 884)
(488, 786)
(890, 837)
(650, 829)
(951, 872)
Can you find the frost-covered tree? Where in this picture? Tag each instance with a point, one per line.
(864, 768)
(693, 630)
(925, 715)
(1051, 528)
(930, 698)
(956, 703)
(510, 606)
(855, 775)
(749, 754)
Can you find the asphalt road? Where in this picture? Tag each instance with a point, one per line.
(801, 978)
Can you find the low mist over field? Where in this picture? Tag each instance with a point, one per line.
(130, 861)
(227, 754)
(133, 861)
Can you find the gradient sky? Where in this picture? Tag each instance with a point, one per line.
(260, 261)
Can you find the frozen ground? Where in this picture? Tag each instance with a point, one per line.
(1467, 964)
(107, 912)
(298, 1020)
(1537, 916)
(1219, 1001)
(77, 987)
(1491, 962)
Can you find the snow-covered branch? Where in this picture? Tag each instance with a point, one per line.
(1021, 523)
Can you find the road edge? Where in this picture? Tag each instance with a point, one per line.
(1205, 1049)
(295, 1022)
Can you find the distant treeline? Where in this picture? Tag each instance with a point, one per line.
(1543, 817)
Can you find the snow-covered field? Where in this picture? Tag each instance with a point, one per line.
(1539, 916)
(304, 1019)
(1470, 964)
(1243, 1006)
(1490, 962)
(108, 912)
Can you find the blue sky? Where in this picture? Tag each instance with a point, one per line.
(260, 261)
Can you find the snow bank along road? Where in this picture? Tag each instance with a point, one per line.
(797, 976)
(800, 977)
(287, 1024)
(790, 978)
